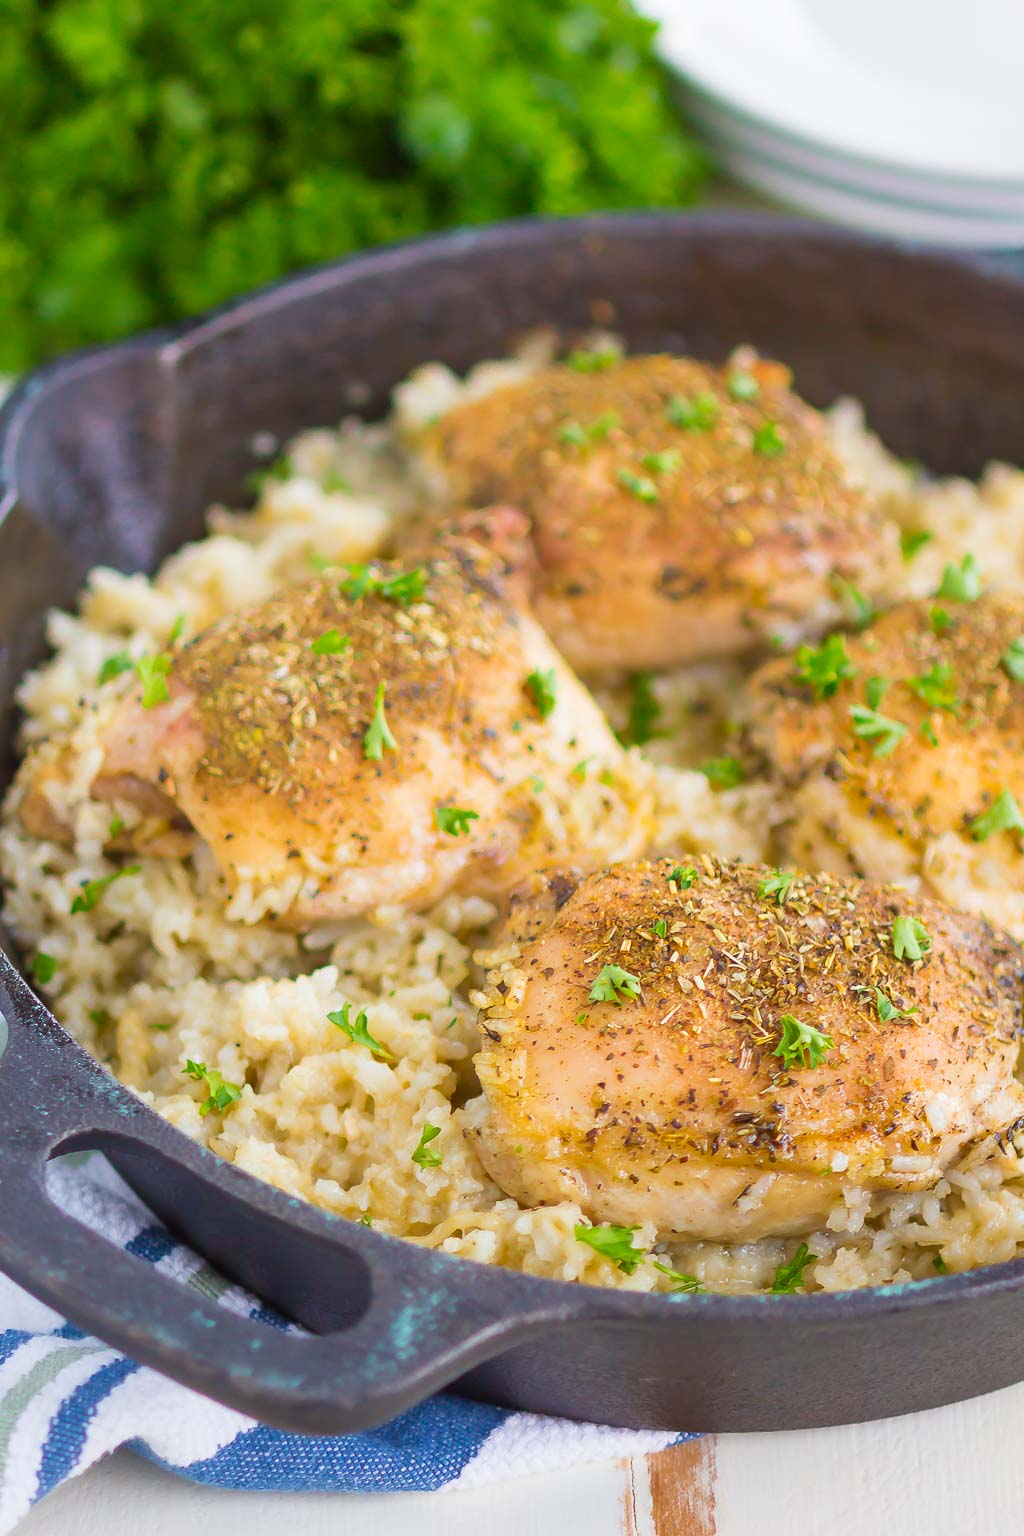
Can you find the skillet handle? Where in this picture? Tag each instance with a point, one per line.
(398, 1321)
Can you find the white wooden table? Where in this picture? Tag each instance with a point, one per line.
(954, 1472)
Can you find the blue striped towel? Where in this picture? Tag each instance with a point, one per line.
(66, 1399)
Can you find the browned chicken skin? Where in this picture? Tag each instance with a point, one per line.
(264, 747)
(672, 1107)
(956, 746)
(672, 521)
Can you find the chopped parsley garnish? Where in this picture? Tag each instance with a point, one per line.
(687, 1285)
(579, 773)
(823, 667)
(862, 607)
(331, 643)
(542, 688)
(768, 440)
(614, 1243)
(723, 772)
(1013, 659)
(152, 672)
(404, 587)
(644, 711)
(101, 1019)
(220, 1095)
(940, 620)
(913, 539)
(961, 583)
(789, 1277)
(682, 877)
(929, 733)
(114, 666)
(939, 1265)
(43, 967)
(801, 1045)
(664, 463)
(91, 890)
(885, 733)
(697, 415)
(777, 886)
(334, 483)
(424, 1154)
(177, 630)
(280, 469)
(612, 984)
(887, 1009)
(875, 691)
(595, 361)
(1003, 815)
(116, 827)
(358, 1031)
(910, 939)
(579, 436)
(936, 687)
(743, 386)
(660, 927)
(378, 738)
(454, 820)
(640, 486)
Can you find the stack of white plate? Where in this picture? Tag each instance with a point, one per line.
(901, 116)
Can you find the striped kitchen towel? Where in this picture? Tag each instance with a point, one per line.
(66, 1399)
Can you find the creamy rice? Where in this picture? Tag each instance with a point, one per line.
(167, 969)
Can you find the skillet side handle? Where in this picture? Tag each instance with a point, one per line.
(408, 1320)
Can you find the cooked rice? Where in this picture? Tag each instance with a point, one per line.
(166, 969)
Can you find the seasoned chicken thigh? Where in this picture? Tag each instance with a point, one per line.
(901, 750)
(679, 510)
(723, 1051)
(371, 736)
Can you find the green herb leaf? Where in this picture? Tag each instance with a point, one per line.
(1003, 815)
(614, 1243)
(939, 1265)
(279, 469)
(912, 540)
(331, 643)
(929, 733)
(334, 483)
(682, 876)
(885, 733)
(644, 711)
(698, 414)
(220, 1094)
(639, 486)
(358, 1031)
(801, 1045)
(742, 385)
(152, 672)
(584, 361)
(936, 687)
(777, 886)
(612, 984)
(961, 583)
(424, 1155)
(660, 927)
(43, 967)
(542, 689)
(1013, 659)
(687, 1285)
(822, 668)
(115, 828)
(875, 691)
(910, 939)
(768, 440)
(114, 666)
(453, 820)
(378, 738)
(664, 463)
(403, 588)
(940, 620)
(789, 1277)
(887, 1009)
(579, 436)
(723, 772)
(860, 606)
(91, 890)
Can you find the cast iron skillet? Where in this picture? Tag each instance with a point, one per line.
(112, 457)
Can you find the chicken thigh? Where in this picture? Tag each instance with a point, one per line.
(680, 511)
(722, 1051)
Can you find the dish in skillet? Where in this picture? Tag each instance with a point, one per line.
(207, 970)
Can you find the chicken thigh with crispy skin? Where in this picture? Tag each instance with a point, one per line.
(382, 735)
(680, 511)
(647, 1054)
(889, 741)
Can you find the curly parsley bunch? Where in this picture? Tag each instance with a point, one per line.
(160, 155)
